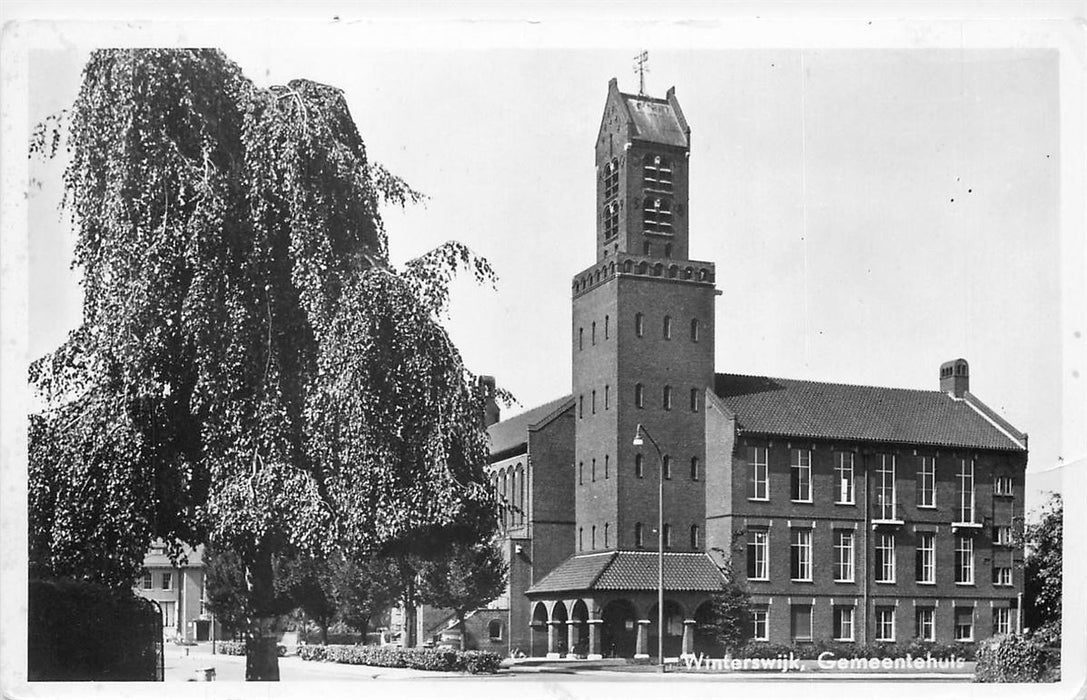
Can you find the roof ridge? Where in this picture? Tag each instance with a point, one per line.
(536, 407)
(614, 556)
(828, 383)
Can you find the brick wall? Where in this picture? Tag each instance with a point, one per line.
(780, 515)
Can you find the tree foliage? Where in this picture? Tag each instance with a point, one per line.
(1043, 565)
(467, 577)
(728, 622)
(250, 369)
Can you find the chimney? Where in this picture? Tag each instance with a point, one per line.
(490, 405)
(955, 377)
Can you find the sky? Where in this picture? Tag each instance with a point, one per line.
(872, 212)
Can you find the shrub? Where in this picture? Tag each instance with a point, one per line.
(82, 631)
(849, 650)
(238, 649)
(1011, 658)
(395, 657)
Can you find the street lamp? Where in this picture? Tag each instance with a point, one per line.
(638, 442)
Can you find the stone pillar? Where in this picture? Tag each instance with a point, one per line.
(553, 639)
(688, 637)
(641, 651)
(571, 638)
(594, 640)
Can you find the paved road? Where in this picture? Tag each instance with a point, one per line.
(182, 664)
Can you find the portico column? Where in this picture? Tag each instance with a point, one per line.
(571, 638)
(688, 637)
(553, 639)
(594, 640)
(640, 651)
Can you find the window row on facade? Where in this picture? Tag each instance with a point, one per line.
(885, 479)
(885, 620)
(166, 581)
(590, 537)
(508, 487)
(588, 472)
(604, 403)
(639, 330)
(885, 560)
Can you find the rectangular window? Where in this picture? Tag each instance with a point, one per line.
(843, 477)
(147, 584)
(594, 402)
(965, 481)
(639, 466)
(843, 555)
(758, 555)
(843, 623)
(964, 624)
(592, 470)
(758, 474)
(1002, 534)
(1002, 576)
(926, 483)
(926, 558)
(801, 475)
(167, 582)
(1002, 621)
(885, 488)
(760, 629)
(800, 623)
(607, 397)
(1002, 486)
(885, 558)
(964, 560)
(694, 400)
(800, 568)
(926, 624)
(885, 624)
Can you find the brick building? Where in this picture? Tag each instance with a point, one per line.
(849, 512)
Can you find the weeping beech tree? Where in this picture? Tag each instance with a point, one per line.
(250, 370)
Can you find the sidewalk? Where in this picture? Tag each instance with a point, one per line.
(182, 664)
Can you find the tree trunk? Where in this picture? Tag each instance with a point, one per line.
(463, 631)
(408, 635)
(261, 657)
(324, 632)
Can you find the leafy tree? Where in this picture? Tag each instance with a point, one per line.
(468, 577)
(1042, 565)
(250, 370)
(728, 622)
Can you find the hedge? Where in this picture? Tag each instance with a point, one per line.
(848, 650)
(395, 657)
(1015, 658)
(238, 649)
(81, 631)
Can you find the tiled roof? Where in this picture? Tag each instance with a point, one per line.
(799, 408)
(512, 433)
(655, 120)
(632, 571)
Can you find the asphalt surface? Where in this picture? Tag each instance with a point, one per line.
(188, 664)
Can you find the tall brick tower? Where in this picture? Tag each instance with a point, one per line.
(643, 335)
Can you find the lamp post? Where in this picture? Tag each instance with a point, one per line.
(638, 442)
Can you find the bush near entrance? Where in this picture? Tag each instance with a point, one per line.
(1016, 658)
(849, 650)
(238, 649)
(474, 662)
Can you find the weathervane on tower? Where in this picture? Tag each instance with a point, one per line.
(641, 69)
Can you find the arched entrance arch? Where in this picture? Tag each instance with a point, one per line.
(556, 632)
(618, 633)
(579, 622)
(538, 630)
(705, 641)
(673, 628)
